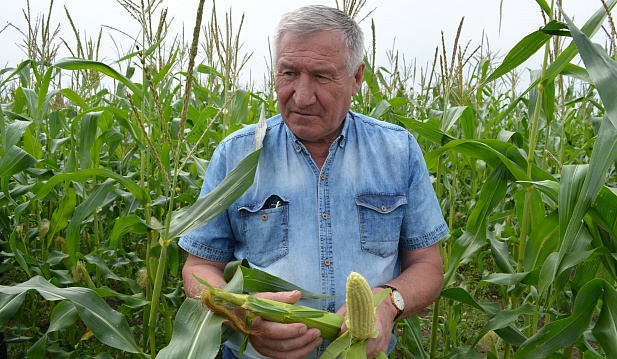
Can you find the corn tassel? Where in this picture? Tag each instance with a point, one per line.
(360, 307)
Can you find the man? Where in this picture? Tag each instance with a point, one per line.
(334, 192)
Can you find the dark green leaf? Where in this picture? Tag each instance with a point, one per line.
(9, 305)
(217, 201)
(64, 315)
(197, 333)
(109, 326)
(15, 160)
(564, 332)
(83, 64)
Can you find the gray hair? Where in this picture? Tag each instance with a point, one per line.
(312, 18)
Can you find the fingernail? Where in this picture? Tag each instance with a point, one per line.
(302, 330)
(293, 293)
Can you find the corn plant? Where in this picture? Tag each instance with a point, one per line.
(94, 204)
(97, 182)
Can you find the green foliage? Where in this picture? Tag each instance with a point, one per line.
(98, 181)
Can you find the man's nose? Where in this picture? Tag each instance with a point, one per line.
(304, 91)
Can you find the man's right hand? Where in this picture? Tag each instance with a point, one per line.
(277, 340)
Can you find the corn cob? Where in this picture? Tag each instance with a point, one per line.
(360, 307)
(221, 303)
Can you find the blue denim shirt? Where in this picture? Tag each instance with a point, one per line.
(313, 227)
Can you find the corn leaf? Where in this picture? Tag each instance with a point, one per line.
(9, 305)
(605, 330)
(13, 132)
(413, 339)
(603, 71)
(74, 96)
(85, 175)
(564, 332)
(17, 70)
(62, 214)
(124, 225)
(593, 24)
(338, 346)
(510, 333)
(15, 160)
(524, 49)
(38, 349)
(426, 130)
(543, 240)
(474, 238)
(501, 254)
(197, 333)
(256, 280)
(503, 319)
(83, 64)
(89, 205)
(63, 316)
(109, 326)
(216, 202)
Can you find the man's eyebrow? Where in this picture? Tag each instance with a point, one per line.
(286, 65)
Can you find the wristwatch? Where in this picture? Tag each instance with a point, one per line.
(397, 300)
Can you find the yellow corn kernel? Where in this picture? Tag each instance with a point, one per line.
(360, 307)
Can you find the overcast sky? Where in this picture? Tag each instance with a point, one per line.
(412, 27)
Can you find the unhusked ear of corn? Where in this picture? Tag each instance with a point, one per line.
(360, 307)
(222, 302)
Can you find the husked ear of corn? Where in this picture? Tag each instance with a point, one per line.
(360, 307)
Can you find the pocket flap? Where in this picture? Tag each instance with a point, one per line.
(382, 203)
(272, 201)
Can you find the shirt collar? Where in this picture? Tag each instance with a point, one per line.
(340, 140)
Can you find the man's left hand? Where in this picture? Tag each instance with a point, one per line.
(384, 323)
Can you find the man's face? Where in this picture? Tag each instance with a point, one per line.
(313, 85)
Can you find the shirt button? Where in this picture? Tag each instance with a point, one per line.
(323, 176)
(383, 208)
(264, 217)
(326, 262)
(298, 147)
(324, 216)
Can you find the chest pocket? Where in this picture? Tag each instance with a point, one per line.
(380, 219)
(265, 230)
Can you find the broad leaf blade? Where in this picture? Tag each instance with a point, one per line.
(256, 280)
(109, 326)
(197, 333)
(15, 160)
(216, 202)
(564, 332)
(83, 64)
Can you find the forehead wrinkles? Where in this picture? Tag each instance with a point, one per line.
(308, 63)
(324, 45)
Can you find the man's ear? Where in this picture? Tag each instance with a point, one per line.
(358, 76)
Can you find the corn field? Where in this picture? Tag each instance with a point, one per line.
(101, 166)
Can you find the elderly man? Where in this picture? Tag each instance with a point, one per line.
(335, 192)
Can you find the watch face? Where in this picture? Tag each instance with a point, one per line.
(398, 300)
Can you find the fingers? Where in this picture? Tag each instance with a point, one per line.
(376, 345)
(278, 340)
(384, 326)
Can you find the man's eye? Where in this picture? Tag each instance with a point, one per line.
(322, 79)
